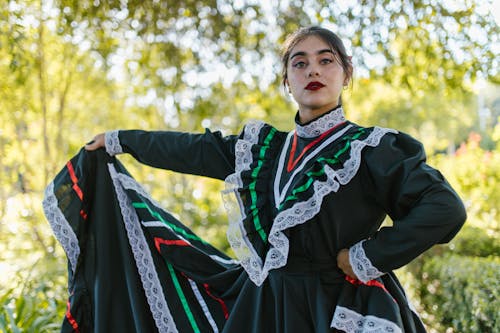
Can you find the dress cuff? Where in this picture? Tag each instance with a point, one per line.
(112, 143)
(361, 265)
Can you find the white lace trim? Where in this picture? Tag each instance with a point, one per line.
(279, 197)
(60, 226)
(299, 213)
(143, 259)
(243, 153)
(322, 124)
(236, 234)
(112, 142)
(352, 322)
(203, 306)
(361, 265)
(130, 184)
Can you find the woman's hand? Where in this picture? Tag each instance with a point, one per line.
(96, 143)
(344, 264)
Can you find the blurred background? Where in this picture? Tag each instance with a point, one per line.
(72, 69)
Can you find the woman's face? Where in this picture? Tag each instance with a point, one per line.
(315, 77)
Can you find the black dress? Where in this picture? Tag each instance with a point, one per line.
(294, 200)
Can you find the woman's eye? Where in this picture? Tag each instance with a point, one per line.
(326, 61)
(299, 64)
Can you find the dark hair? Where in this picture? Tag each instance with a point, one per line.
(327, 36)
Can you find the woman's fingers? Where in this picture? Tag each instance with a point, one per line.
(344, 264)
(96, 143)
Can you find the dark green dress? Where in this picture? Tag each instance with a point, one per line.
(134, 268)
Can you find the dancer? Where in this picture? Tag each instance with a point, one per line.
(305, 209)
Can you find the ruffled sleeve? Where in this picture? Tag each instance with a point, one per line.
(246, 199)
(423, 206)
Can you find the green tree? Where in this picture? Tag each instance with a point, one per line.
(71, 69)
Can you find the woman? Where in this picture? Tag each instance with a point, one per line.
(305, 212)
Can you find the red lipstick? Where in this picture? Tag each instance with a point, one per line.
(315, 85)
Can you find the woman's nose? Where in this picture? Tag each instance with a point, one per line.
(313, 71)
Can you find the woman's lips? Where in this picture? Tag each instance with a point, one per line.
(315, 85)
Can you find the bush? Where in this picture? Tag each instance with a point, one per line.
(474, 242)
(36, 302)
(463, 293)
(430, 275)
(475, 174)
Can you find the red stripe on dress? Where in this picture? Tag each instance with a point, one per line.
(293, 162)
(371, 283)
(70, 318)
(178, 242)
(74, 179)
(221, 302)
(75, 186)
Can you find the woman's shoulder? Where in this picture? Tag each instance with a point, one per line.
(390, 138)
(257, 131)
(389, 144)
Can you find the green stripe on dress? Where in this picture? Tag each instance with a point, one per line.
(331, 161)
(253, 184)
(183, 299)
(171, 225)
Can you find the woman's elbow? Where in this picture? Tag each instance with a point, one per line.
(456, 219)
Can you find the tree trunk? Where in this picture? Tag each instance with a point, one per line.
(43, 94)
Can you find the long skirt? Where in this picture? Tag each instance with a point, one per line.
(133, 267)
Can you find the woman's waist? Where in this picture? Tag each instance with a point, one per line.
(316, 265)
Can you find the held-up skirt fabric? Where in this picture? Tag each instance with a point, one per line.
(132, 267)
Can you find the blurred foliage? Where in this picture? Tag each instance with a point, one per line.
(474, 242)
(35, 305)
(456, 285)
(71, 69)
(440, 119)
(33, 286)
(460, 293)
(475, 173)
(460, 300)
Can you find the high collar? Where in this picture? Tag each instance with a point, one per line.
(321, 124)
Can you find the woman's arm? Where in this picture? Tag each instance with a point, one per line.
(425, 210)
(206, 154)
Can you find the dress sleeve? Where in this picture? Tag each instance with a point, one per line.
(206, 154)
(424, 208)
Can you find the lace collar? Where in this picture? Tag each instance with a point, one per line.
(321, 124)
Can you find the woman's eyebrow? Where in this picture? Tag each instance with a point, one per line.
(325, 51)
(302, 53)
(296, 54)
